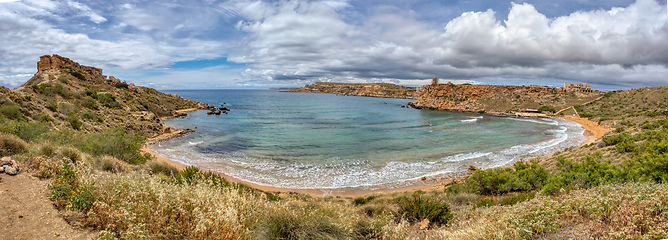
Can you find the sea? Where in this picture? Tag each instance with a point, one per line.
(327, 141)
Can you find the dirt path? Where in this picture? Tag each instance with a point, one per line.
(27, 213)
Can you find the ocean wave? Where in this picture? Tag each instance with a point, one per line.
(471, 119)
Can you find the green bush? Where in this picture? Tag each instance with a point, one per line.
(83, 198)
(162, 168)
(114, 143)
(92, 116)
(63, 80)
(91, 93)
(485, 202)
(74, 121)
(113, 165)
(53, 106)
(78, 75)
(516, 198)
(27, 131)
(299, 225)
(361, 201)
(588, 173)
(416, 208)
(73, 154)
(90, 103)
(12, 112)
(522, 177)
(45, 118)
(11, 144)
(546, 109)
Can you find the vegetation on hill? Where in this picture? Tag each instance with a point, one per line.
(616, 189)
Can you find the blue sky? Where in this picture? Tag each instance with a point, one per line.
(198, 44)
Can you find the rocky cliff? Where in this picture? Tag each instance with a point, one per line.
(497, 98)
(383, 90)
(66, 94)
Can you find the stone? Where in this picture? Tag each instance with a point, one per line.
(11, 170)
(424, 224)
(5, 161)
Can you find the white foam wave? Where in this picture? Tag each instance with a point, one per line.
(471, 119)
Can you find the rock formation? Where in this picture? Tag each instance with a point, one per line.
(383, 90)
(55, 62)
(495, 98)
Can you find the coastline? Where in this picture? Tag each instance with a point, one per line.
(593, 131)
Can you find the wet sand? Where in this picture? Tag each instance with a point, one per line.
(592, 132)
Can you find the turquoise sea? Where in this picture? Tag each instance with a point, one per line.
(327, 141)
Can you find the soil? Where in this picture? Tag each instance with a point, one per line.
(27, 213)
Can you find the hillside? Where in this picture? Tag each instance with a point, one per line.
(498, 98)
(65, 94)
(382, 90)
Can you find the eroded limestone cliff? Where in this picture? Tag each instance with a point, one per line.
(383, 90)
(497, 98)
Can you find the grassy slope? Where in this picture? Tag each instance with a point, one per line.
(150, 200)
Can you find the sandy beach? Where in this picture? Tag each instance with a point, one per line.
(592, 132)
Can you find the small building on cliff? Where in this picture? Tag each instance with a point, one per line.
(578, 87)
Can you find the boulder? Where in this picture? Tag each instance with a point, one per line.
(6, 161)
(12, 170)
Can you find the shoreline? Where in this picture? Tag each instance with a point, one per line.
(592, 132)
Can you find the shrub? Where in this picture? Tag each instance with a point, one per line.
(162, 168)
(74, 121)
(523, 177)
(361, 201)
(45, 118)
(90, 103)
(47, 149)
(485, 202)
(516, 198)
(78, 75)
(63, 186)
(11, 144)
(92, 116)
(91, 93)
(63, 80)
(114, 143)
(111, 164)
(289, 225)
(546, 109)
(47, 168)
(416, 208)
(83, 198)
(590, 172)
(121, 85)
(53, 106)
(70, 153)
(12, 112)
(27, 131)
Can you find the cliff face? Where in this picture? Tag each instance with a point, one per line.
(497, 98)
(66, 94)
(383, 90)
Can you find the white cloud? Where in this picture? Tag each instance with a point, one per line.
(310, 40)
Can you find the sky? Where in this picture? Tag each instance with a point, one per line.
(205, 44)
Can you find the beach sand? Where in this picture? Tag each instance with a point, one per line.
(592, 132)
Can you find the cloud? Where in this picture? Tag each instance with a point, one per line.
(27, 34)
(303, 40)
